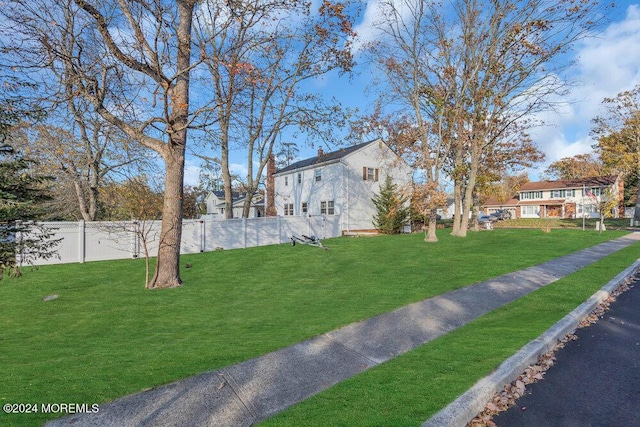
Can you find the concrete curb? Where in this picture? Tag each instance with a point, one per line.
(471, 403)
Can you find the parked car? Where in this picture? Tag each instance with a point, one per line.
(486, 218)
(501, 214)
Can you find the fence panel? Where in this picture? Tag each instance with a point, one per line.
(109, 240)
(71, 247)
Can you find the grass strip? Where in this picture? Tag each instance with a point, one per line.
(408, 390)
(105, 336)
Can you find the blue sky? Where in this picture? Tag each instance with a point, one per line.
(605, 65)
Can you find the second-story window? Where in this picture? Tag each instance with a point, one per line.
(370, 174)
(299, 177)
(318, 175)
(286, 181)
(531, 195)
(560, 194)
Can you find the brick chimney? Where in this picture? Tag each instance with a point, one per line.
(320, 153)
(271, 193)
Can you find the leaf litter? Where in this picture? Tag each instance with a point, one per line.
(506, 398)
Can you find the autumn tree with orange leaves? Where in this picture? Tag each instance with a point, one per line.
(618, 135)
(578, 166)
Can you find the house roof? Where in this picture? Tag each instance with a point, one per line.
(325, 158)
(492, 201)
(237, 197)
(596, 181)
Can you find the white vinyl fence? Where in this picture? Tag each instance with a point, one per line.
(98, 241)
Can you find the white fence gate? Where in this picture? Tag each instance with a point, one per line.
(98, 241)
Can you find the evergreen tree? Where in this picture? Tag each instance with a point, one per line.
(22, 192)
(392, 210)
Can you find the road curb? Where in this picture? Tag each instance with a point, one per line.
(471, 403)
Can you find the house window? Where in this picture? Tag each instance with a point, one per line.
(586, 209)
(596, 191)
(370, 174)
(561, 194)
(286, 181)
(299, 177)
(318, 175)
(305, 208)
(327, 207)
(531, 210)
(531, 195)
(288, 209)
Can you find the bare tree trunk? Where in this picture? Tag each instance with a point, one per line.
(167, 272)
(469, 191)
(457, 212)
(636, 212)
(226, 175)
(82, 204)
(430, 235)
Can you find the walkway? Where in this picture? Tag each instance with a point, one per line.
(256, 389)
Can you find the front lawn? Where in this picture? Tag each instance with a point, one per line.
(411, 388)
(576, 223)
(106, 336)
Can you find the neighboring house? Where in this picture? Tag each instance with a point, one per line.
(447, 211)
(216, 206)
(341, 183)
(574, 198)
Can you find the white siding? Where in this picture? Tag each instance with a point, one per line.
(342, 182)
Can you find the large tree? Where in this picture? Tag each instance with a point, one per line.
(578, 166)
(473, 73)
(83, 158)
(262, 57)
(131, 61)
(618, 135)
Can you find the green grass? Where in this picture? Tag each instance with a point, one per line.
(589, 224)
(106, 336)
(408, 390)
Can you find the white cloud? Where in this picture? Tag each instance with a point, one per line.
(606, 65)
(239, 169)
(191, 173)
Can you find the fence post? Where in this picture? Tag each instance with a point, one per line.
(244, 232)
(202, 236)
(279, 228)
(81, 241)
(134, 238)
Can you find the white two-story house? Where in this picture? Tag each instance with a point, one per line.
(340, 183)
(572, 198)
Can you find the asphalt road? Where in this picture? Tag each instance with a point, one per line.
(595, 380)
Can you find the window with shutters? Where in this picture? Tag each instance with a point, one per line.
(370, 174)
